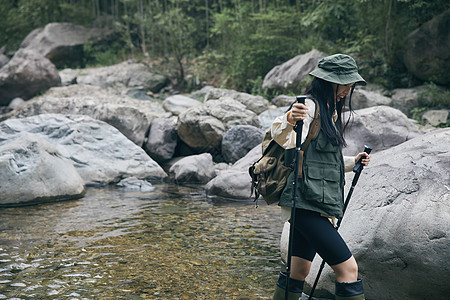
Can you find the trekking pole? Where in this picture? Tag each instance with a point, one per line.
(357, 169)
(298, 144)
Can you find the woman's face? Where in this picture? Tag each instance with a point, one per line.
(342, 91)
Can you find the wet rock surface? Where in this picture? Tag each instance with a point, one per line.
(99, 152)
(33, 171)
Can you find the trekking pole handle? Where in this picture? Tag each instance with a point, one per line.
(358, 166)
(299, 99)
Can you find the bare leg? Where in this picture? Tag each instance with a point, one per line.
(346, 271)
(299, 268)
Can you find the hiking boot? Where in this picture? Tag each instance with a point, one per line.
(295, 288)
(349, 290)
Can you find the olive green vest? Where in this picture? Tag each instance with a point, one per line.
(321, 187)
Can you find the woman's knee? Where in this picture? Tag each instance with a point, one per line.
(300, 267)
(346, 271)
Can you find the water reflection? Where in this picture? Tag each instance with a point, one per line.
(172, 243)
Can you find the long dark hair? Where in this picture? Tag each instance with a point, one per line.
(322, 92)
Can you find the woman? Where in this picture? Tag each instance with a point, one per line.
(321, 192)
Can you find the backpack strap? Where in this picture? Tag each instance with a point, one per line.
(314, 127)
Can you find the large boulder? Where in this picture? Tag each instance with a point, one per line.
(230, 184)
(437, 117)
(130, 116)
(202, 127)
(426, 52)
(125, 75)
(283, 100)
(195, 169)
(380, 127)
(256, 104)
(62, 43)
(200, 94)
(178, 103)
(239, 140)
(396, 224)
(25, 75)
(33, 171)
(162, 139)
(100, 153)
(406, 99)
(293, 71)
(363, 98)
(267, 117)
(234, 182)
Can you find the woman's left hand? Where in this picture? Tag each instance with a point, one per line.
(365, 161)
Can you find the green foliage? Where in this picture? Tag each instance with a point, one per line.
(434, 97)
(101, 55)
(431, 97)
(417, 112)
(235, 43)
(253, 42)
(18, 18)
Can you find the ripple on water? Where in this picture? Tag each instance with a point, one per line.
(172, 243)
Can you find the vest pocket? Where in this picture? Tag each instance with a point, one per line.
(331, 192)
(322, 185)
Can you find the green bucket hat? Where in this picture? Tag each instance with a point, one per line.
(338, 68)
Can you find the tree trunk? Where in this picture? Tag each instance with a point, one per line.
(142, 27)
(387, 30)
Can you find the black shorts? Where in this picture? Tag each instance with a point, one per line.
(313, 234)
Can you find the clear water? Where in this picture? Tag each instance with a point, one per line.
(172, 243)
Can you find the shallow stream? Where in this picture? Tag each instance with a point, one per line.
(172, 243)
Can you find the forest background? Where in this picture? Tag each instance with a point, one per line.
(234, 43)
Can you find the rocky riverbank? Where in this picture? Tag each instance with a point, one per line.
(112, 126)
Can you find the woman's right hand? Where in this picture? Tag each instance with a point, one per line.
(297, 113)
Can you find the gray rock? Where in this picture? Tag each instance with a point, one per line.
(127, 74)
(293, 71)
(62, 43)
(406, 99)
(234, 182)
(130, 116)
(134, 184)
(397, 222)
(283, 100)
(436, 117)
(202, 127)
(3, 60)
(138, 93)
(380, 127)
(426, 52)
(195, 168)
(33, 171)
(162, 139)
(256, 104)
(100, 153)
(245, 162)
(200, 94)
(267, 117)
(69, 76)
(16, 103)
(363, 98)
(231, 184)
(239, 140)
(25, 75)
(179, 103)
(221, 167)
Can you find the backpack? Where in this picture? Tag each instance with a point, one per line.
(270, 172)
